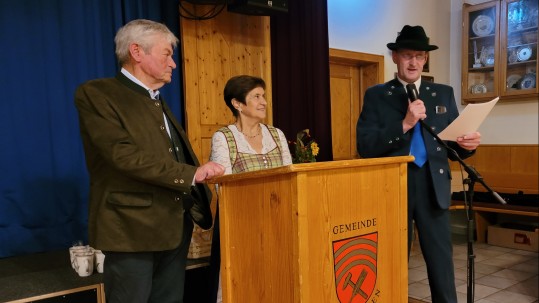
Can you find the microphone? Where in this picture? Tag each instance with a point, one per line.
(414, 95)
(412, 92)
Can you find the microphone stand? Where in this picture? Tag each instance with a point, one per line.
(473, 177)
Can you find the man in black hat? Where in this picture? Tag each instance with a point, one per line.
(388, 126)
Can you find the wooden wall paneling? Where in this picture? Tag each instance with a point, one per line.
(213, 51)
(504, 167)
(525, 159)
(494, 158)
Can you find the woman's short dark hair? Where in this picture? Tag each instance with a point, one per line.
(238, 87)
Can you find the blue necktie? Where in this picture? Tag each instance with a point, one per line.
(417, 148)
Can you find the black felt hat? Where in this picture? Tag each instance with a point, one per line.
(412, 37)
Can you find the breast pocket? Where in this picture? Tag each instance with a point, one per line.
(130, 199)
(440, 109)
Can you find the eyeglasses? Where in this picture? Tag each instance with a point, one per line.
(409, 56)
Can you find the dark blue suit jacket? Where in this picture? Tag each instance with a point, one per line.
(379, 129)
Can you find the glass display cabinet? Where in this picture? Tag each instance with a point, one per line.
(499, 56)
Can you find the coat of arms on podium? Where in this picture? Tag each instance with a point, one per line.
(355, 267)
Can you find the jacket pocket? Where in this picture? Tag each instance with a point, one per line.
(130, 199)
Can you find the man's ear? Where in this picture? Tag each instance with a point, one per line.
(136, 51)
(394, 56)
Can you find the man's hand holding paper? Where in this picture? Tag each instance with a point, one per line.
(464, 129)
(470, 141)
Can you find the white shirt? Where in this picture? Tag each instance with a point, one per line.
(221, 154)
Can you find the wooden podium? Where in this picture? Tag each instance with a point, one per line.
(316, 232)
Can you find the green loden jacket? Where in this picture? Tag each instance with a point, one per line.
(137, 189)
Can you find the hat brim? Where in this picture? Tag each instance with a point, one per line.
(411, 44)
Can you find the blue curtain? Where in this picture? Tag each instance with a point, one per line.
(49, 48)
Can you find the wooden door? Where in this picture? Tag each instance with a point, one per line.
(351, 73)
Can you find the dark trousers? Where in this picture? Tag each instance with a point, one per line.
(434, 234)
(215, 259)
(142, 277)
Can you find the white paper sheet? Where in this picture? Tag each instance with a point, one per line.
(468, 121)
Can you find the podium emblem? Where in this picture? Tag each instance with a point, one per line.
(355, 267)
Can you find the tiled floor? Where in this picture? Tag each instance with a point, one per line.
(501, 274)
